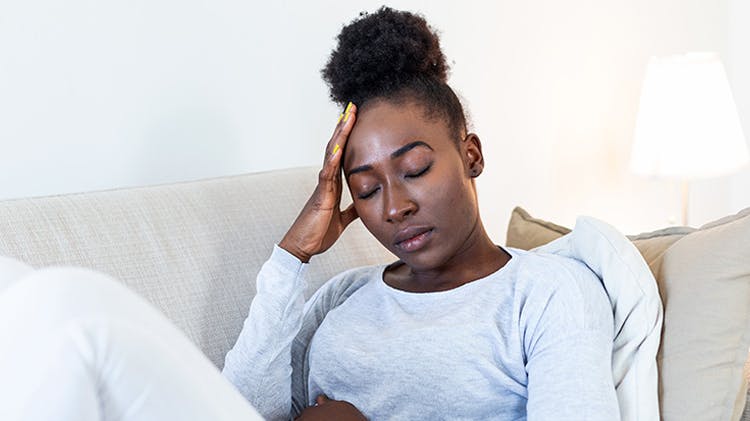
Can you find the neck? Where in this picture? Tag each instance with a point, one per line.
(477, 258)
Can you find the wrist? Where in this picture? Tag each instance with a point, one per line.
(295, 251)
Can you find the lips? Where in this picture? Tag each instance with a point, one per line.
(412, 238)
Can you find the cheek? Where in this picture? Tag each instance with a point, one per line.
(451, 195)
(369, 212)
(453, 206)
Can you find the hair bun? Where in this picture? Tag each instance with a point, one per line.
(380, 53)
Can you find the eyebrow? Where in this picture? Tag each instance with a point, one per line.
(406, 148)
(395, 154)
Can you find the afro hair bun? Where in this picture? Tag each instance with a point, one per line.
(381, 53)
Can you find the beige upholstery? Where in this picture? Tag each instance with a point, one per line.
(193, 249)
(703, 277)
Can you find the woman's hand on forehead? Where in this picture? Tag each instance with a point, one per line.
(321, 221)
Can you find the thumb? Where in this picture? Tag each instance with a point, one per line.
(321, 399)
(348, 215)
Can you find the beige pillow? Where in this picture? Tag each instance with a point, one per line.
(526, 232)
(704, 282)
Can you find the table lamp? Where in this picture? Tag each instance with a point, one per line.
(687, 126)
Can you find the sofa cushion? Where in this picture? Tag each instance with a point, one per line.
(704, 282)
(192, 249)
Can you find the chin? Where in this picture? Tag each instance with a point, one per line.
(423, 260)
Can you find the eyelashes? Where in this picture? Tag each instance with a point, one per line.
(366, 196)
(420, 172)
(423, 171)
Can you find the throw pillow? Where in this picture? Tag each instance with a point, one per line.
(704, 282)
(526, 232)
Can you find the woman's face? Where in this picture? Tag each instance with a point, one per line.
(412, 185)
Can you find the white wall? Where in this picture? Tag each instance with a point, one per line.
(717, 197)
(108, 94)
(738, 70)
(561, 101)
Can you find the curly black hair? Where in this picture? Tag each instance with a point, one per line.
(393, 55)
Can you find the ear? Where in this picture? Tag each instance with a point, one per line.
(471, 151)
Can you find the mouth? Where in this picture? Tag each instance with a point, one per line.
(412, 239)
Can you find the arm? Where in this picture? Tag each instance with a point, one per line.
(569, 349)
(260, 363)
(271, 373)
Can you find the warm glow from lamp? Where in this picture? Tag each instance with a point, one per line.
(687, 126)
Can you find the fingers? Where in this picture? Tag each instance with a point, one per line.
(347, 122)
(321, 399)
(332, 162)
(343, 125)
(327, 194)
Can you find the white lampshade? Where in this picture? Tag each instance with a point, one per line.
(687, 125)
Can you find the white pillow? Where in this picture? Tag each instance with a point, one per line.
(636, 306)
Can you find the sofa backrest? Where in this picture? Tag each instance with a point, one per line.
(193, 249)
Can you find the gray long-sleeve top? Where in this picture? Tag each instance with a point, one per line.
(530, 341)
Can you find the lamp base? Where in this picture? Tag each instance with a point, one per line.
(685, 188)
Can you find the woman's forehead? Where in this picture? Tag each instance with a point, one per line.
(383, 128)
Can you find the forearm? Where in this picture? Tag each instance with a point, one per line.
(259, 364)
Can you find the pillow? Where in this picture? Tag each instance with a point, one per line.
(11, 270)
(636, 308)
(527, 233)
(703, 277)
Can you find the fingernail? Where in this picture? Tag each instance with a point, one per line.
(346, 112)
(335, 149)
(340, 117)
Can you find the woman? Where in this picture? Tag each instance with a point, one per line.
(457, 328)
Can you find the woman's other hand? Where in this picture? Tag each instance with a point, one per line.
(321, 221)
(327, 409)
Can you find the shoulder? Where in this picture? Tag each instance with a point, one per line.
(343, 285)
(540, 271)
(552, 288)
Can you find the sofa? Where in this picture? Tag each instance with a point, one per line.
(193, 250)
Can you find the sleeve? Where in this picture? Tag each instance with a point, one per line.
(568, 346)
(268, 364)
(259, 364)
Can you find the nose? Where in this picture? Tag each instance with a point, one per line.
(398, 204)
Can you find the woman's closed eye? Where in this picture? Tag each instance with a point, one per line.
(365, 196)
(419, 173)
